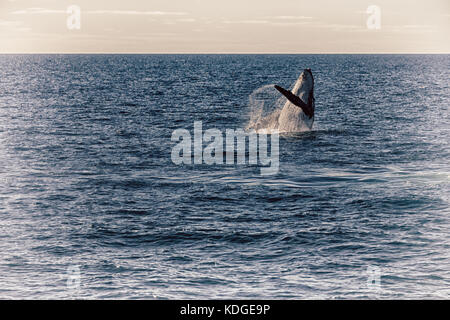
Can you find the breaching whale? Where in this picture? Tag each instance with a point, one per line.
(298, 111)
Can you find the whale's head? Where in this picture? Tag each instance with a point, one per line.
(304, 87)
(298, 110)
(302, 95)
(306, 78)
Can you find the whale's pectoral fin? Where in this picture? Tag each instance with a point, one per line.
(307, 108)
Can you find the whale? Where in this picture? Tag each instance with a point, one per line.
(297, 113)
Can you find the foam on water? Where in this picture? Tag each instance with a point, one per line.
(266, 105)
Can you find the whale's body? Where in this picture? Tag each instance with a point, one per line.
(296, 114)
(298, 111)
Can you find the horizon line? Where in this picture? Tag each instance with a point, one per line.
(229, 53)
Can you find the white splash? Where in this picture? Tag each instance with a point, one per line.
(265, 105)
(271, 112)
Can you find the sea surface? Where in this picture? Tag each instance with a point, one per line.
(92, 205)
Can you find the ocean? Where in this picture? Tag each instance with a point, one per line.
(93, 207)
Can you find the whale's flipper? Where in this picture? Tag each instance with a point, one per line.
(307, 108)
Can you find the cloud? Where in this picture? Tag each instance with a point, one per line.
(137, 13)
(37, 11)
(292, 17)
(12, 25)
(186, 20)
(342, 27)
(246, 21)
(9, 23)
(290, 23)
(411, 28)
(115, 12)
(274, 21)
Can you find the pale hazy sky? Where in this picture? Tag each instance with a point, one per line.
(234, 26)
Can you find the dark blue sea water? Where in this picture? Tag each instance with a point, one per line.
(88, 187)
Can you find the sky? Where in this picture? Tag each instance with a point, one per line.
(224, 26)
